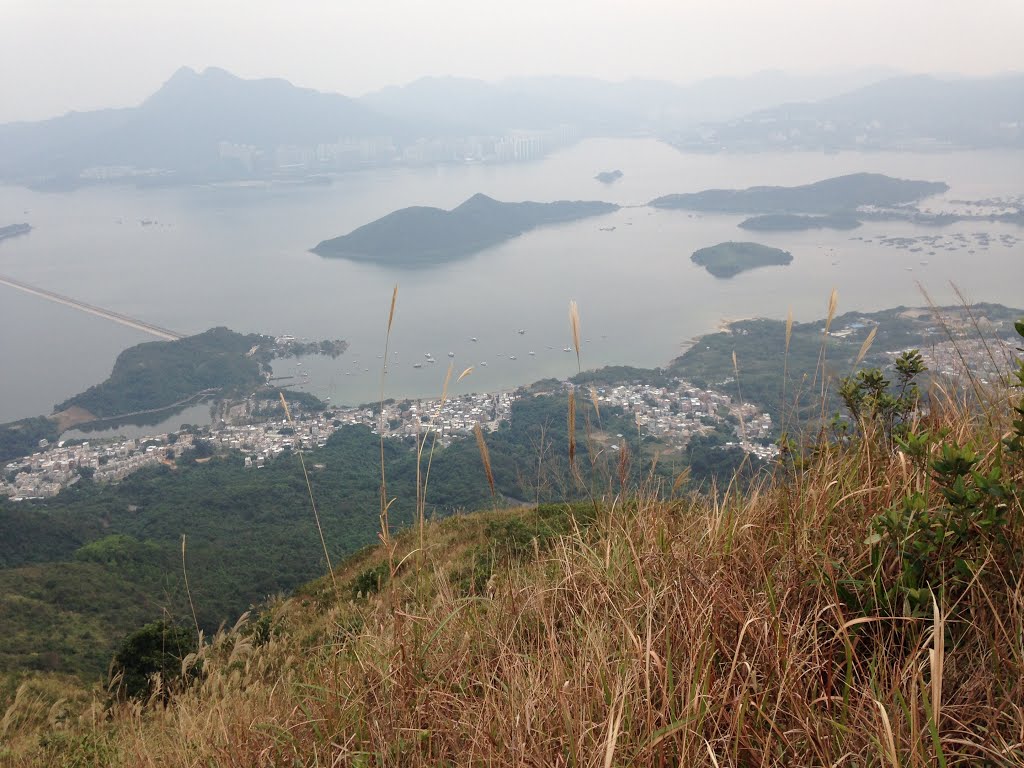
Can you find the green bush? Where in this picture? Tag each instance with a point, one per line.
(156, 649)
(934, 543)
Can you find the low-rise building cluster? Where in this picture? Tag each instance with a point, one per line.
(677, 412)
(56, 467)
(672, 414)
(989, 361)
(451, 418)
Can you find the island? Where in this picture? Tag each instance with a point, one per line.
(729, 259)
(609, 177)
(422, 236)
(13, 230)
(838, 194)
(793, 222)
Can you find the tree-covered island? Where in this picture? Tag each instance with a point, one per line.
(729, 259)
(421, 236)
(841, 193)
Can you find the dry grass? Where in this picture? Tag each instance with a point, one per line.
(690, 631)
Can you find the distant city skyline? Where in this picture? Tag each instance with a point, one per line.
(60, 56)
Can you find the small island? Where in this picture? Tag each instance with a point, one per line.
(729, 259)
(422, 236)
(794, 222)
(609, 177)
(13, 230)
(838, 194)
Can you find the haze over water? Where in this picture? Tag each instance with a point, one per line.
(238, 256)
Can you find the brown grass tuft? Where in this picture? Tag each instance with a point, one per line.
(312, 502)
(485, 455)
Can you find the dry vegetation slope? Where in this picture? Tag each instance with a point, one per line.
(782, 626)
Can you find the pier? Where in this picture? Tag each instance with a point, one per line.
(81, 306)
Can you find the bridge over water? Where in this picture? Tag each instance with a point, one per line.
(67, 301)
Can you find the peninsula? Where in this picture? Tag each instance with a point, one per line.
(160, 374)
(841, 193)
(729, 259)
(421, 236)
(793, 222)
(158, 377)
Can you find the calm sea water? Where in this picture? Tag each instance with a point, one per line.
(239, 257)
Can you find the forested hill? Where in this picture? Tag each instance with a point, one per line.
(158, 374)
(420, 236)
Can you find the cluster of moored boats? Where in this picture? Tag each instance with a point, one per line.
(429, 357)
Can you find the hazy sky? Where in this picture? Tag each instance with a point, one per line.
(57, 55)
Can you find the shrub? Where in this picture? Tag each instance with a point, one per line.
(149, 661)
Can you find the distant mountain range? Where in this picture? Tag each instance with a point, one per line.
(598, 106)
(213, 125)
(915, 112)
(179, 128)
(422, 236)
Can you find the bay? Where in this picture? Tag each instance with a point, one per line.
(191, 258)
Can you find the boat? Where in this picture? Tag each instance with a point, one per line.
(533, 353)
(451, 354)
(414, 365)
(567, 349)
(511, 357)
(472, 338)
(521, 331)
(483, 364)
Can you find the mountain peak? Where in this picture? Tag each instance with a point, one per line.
(181, 74)
(479, 200)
